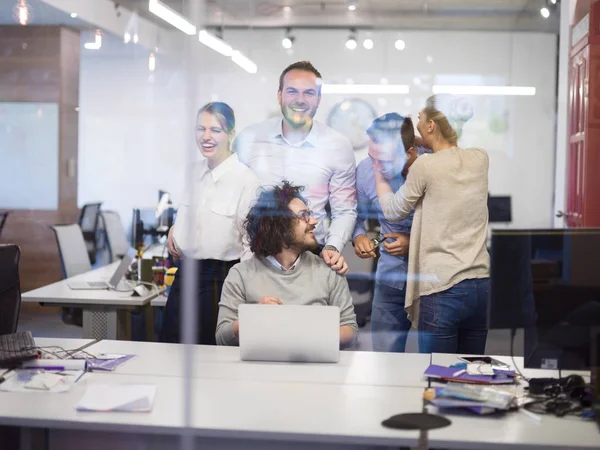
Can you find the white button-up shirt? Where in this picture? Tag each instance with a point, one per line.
(323, 163)
(212, 227)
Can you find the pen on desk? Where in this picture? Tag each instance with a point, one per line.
(59, 368)
(459, 373)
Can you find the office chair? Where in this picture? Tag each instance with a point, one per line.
(89, 220)
(3, 217)
(116, 238)
(74, 259)
(10, 288)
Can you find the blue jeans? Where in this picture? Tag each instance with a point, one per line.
(389, 324)
(455, 320)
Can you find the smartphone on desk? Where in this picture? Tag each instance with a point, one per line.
(483, 360)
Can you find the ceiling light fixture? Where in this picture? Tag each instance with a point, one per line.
(215, 43)
(365, 89)
(97, 44)
(172, 17)
(351, 42)
(400, 44)
(368, 43)
(126, 38)
(244, 62)
(545, 12)
(351, 6)
(152, 62)
(136, 38)
(288, 41)
(484, 90)
(22, 12)
(74, 15)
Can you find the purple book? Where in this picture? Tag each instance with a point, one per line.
(447, 373)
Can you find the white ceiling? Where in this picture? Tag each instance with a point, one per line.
(490, 15)
(496, 15)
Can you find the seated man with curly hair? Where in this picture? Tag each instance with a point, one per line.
(283, 269)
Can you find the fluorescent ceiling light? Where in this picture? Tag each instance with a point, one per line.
(484, 90)
(97, 44)
(218, 45)
(244, 62)
(172, 17)
(365, 89)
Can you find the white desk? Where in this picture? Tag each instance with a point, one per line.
(159, 301)
(213, 362)
(280, 410)
(103, 310)
(243, 415)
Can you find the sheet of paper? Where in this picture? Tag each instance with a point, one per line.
(34, 381)
(118, 397)
(480, 369)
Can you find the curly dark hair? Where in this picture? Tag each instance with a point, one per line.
(270, 222)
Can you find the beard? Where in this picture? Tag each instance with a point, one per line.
(308, 243)
(295, 119)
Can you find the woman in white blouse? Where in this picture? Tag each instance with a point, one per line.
(448, 264)
(209, 226)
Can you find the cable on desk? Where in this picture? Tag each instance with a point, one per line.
(513, 333)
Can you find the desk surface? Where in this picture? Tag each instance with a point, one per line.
(340, 403)
(257, 410)
(60, 293)
(213, 362)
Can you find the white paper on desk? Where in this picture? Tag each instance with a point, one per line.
(25, 381)
(118, 397)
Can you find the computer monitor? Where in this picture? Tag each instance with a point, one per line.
(547, 282)
(499, 209)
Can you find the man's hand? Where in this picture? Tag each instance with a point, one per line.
(363, 247)
(266, 300)
(335, 261)
(400, 246)
(171, 244)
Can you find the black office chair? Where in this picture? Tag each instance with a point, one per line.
(89, 220)
(10, 288)
(3, 217)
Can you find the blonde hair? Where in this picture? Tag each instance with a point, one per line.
(449, 114)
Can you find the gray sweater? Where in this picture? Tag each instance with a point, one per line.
(311, 282)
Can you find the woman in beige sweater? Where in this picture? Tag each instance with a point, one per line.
(448, 268)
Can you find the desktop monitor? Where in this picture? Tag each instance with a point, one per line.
(499, 209)
(547, 282)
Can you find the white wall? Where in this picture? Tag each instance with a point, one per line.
(126, 121)
(131, 130)
(29, 156)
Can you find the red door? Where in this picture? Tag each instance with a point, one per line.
(578, 105)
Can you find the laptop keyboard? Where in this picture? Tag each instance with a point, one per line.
(97, 284)
(16, 348)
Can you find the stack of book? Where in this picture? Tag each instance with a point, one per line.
(472, 373)
(476, 398)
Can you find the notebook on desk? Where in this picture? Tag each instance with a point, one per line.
(289, 333)
(114, 280)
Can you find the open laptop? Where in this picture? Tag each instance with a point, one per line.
(114, 280)
(289, 333)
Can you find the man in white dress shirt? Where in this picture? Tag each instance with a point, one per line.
(306, 153)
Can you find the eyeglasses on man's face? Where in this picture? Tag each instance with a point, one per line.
(305, 215)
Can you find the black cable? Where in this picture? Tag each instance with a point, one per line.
(2, 377)
(513, 333)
